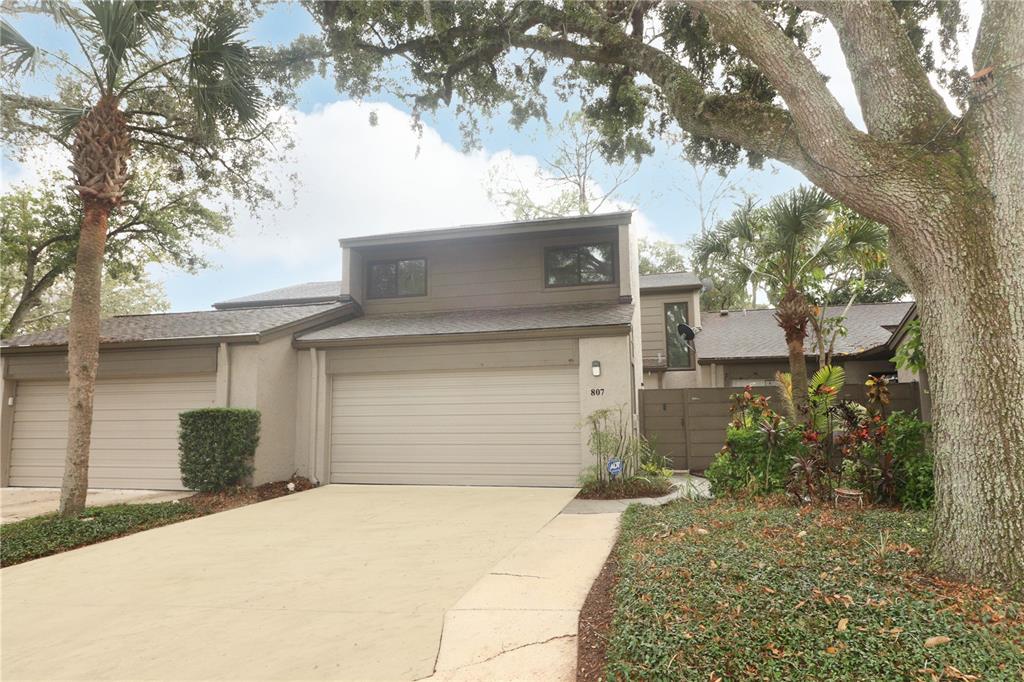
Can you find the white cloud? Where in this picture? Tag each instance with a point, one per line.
(357, 179)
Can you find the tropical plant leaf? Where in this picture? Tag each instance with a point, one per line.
(831, 376)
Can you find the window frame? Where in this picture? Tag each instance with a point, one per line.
(389, 261)
(614, 264)
(664, 325)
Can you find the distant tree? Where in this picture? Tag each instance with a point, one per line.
(661, 256)
(128, 294)
(789, 248)
(157, 222)
(567, 183)
(175, 81)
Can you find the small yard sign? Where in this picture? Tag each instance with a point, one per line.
(615, 467)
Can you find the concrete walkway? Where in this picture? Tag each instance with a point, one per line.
(24, 503)
(342, 582)
(520, 621)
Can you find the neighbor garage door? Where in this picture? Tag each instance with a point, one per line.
(134, 432)
(501, 426)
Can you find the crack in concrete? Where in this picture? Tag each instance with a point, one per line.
(518, 575)
(515, 648)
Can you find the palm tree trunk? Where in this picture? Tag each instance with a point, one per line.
(798, 371)
(83, 355)
(793, 315)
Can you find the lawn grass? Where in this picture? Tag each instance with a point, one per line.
(49, 534)
(731, 590)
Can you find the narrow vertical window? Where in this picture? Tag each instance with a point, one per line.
(680, 354)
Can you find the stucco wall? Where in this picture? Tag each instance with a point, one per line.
(613, 389)
(265, 377)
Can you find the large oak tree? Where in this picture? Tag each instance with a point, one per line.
(739, 80)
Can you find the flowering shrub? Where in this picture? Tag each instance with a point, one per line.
(890, 458)
(759, 449)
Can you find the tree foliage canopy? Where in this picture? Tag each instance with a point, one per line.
(196, 97)
(156, 223)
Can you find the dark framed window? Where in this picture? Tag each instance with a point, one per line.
(678, 350)
(396, 278)
(572, 266)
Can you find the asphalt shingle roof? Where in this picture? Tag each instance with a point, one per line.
(476, 321)
(755, 333)
(307, 292)
(665, 280)
(200, 324)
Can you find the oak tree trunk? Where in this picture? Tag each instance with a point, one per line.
(972, 320)
(83, 355)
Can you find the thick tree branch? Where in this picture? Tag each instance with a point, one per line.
(820, 121)
(896, 98)
(762, 128)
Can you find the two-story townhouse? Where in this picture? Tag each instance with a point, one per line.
(468, 355)
(479, 354)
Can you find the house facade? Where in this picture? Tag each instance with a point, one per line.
(465, 356)
(468, 355)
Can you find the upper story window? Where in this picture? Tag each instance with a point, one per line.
(397, 278)
(570, 266)
(680, 353)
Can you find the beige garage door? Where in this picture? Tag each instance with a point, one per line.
(134, 432)
(460, 427)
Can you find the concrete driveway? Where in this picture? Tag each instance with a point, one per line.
(342, 582)
(24, 503)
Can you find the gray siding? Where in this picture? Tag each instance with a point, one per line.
(490, 272)
(652, 319)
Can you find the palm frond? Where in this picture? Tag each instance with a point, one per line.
(121, 28)
(15, 47)
(67, 119)
(221, 71)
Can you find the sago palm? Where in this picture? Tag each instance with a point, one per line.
(128, 52)
(786, 248)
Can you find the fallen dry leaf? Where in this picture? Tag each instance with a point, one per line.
(933, 642)
(831, 650)
(801, 534)
(843, 622)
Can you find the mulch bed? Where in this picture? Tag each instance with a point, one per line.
(596, 623)
(209, 503)
(624, 490)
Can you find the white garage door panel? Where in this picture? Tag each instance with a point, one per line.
(464, 427)
(134, 432)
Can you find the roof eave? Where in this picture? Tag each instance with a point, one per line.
(594, 330)
(670, 289)
(490, 229)
(276, 302)
(140, 343)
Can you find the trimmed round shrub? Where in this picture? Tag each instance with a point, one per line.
(217, 446)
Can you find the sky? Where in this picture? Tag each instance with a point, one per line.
(358, 179)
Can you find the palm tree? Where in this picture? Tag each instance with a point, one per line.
(786, 248)
(132, 52)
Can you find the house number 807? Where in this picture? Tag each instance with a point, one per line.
(597, 391)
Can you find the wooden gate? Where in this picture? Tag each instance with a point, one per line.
(688, 425)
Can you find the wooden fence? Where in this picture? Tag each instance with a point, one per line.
(687, 425)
